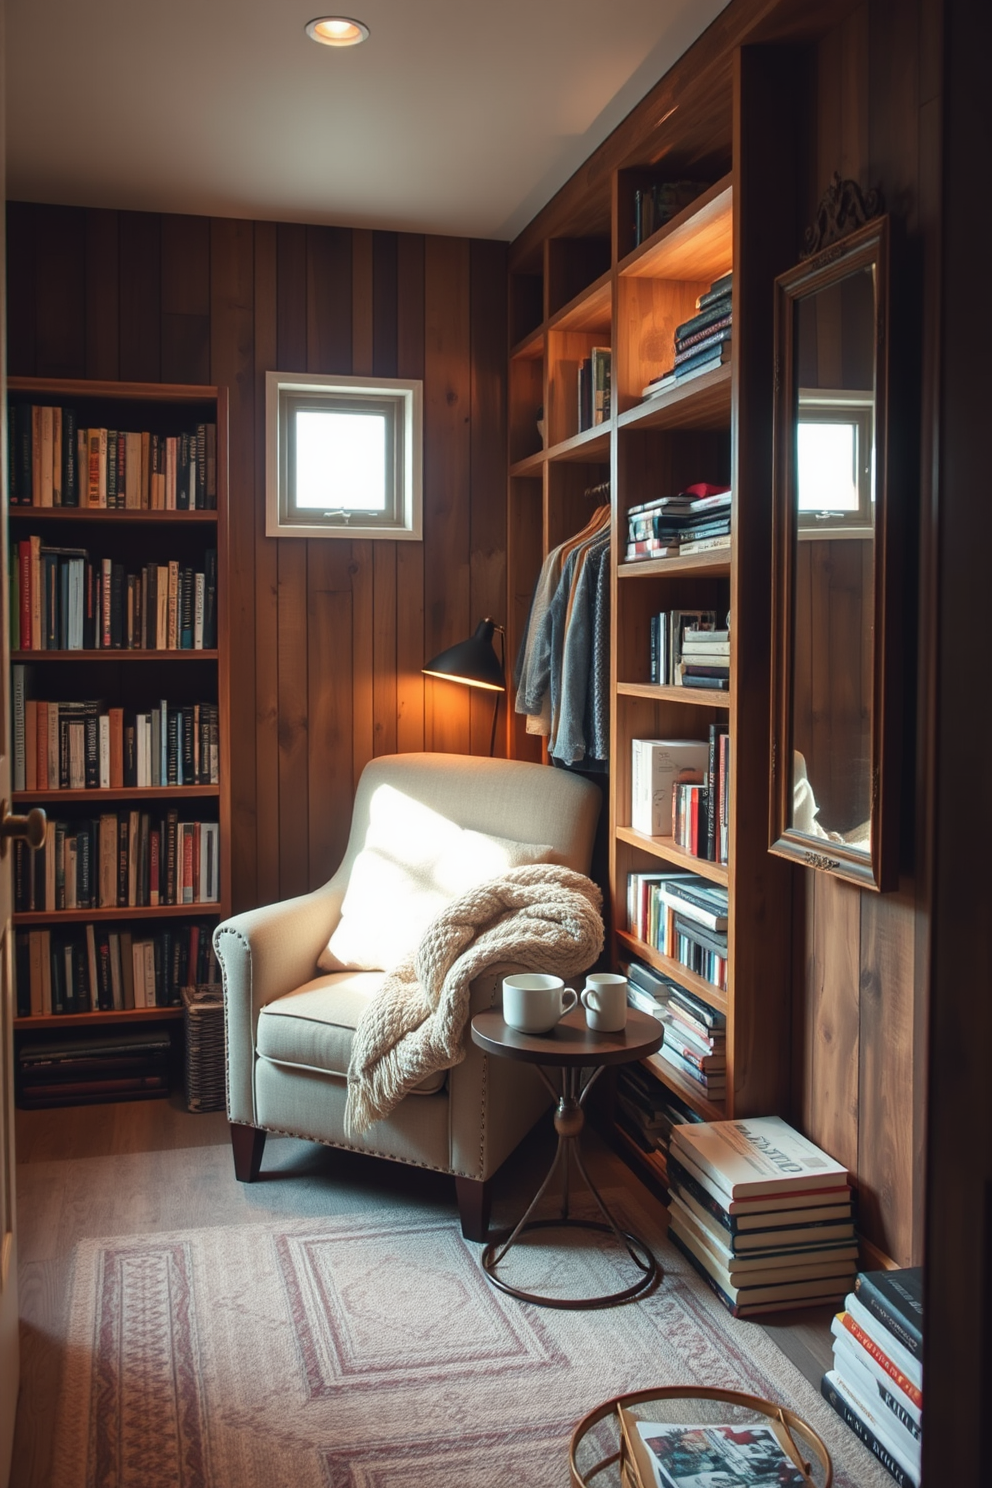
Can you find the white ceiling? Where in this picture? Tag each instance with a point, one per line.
(456, 116)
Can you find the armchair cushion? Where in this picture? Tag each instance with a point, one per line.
(415, 861)
(313, 1027)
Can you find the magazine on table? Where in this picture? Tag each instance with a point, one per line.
(713, 1456)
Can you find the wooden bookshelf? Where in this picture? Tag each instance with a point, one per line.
(713, 427)
(131, 678)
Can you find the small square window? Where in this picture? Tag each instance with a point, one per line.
(343, 456)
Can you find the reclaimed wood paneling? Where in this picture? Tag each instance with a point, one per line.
(329, 636)
(232, 364)
(447, 473)
(410, 649)
(185, 299)
(103, 355)
(140, 328)
(266, 585)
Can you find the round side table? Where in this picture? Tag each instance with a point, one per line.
(569, 1049)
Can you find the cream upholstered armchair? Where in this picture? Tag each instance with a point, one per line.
(422, 824)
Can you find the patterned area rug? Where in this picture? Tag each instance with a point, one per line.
(350, 1352)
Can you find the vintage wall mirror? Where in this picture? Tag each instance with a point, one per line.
(834, 796)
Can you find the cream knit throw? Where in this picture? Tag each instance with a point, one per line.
(542, 917)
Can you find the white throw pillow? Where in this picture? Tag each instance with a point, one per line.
(414, 863)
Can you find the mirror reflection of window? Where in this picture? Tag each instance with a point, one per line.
(834, 461)
(827, 475)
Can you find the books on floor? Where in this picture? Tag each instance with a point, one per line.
(876, 1383)
(762, 1214)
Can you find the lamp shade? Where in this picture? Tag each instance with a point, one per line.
(473, 662)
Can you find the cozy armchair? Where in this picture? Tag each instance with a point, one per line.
(290, 1021)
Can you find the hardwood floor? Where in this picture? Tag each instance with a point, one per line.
(150, 1166)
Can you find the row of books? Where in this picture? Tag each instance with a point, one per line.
(695, 1033)
(680, 788)
(655, 205)
(119, 860)
(697, 520)
(876, 1383)
(703, 342)
(684, 917)
(105, 968)
(762, 1214)
(54, 461)
(62, 600)
(85, 746)
(646, 1111)
(687, 650)
(106, 1066)
(595, 399)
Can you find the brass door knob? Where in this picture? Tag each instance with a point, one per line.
(31, 829)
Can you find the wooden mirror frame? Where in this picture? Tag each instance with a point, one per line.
(867, 247)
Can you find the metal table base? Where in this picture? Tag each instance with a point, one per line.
(569, 1121)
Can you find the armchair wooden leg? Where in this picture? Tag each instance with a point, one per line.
(474, 1200)
(248, 1144)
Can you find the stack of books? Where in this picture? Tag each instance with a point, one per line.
(705, 660)
(104, 1067)
(876, 1384)
(703, 343)
(694, 521)
(762, 1214)
(696, 1040)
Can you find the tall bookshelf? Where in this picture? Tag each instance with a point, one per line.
(131, 678)
(714, 427)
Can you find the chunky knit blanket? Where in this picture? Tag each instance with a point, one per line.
(541, 917)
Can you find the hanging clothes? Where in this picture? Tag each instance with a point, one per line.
(563, 664)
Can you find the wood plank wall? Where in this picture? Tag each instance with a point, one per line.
(862, 986)
(329, 636)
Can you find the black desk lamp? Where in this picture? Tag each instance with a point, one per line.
(475, 664)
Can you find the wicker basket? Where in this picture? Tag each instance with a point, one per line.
(203, 1015)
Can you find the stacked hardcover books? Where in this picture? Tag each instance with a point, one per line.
(762, 1214)
(876, 1384)
(703, 343)
(705, 660)
(103, 1067)
(695, 1037)
(694, 521)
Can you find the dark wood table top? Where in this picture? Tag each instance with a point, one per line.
(570, 1042)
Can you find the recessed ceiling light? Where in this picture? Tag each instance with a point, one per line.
(337, 31)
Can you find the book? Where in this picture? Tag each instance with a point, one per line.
(751, 1301)
(834, 1393)
(898, 1363)
(895, 1298)
(872, 1383)
(767, 1267)
(759, 1156)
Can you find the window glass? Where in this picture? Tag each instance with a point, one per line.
(340, 461)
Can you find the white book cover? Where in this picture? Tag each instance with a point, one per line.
(850, 1357)
(104, 751)
(889, 1344)
(658, 765)
(759, 1155)
(872, 1417)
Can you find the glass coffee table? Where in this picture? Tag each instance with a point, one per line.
(578, 1056)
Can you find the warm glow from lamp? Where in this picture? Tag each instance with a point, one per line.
(337, 31)
(474, 663)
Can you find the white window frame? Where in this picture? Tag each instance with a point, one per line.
(406, 399)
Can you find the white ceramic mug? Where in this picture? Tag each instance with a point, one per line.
(604, 998)
(534, 1003)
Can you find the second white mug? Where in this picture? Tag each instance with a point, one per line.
(605, 1001)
